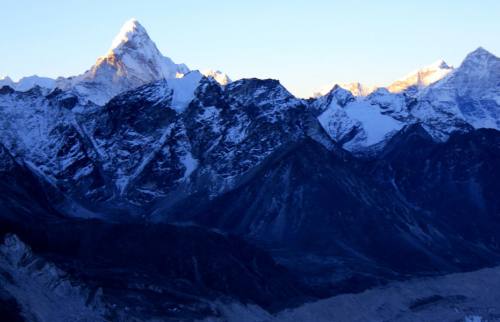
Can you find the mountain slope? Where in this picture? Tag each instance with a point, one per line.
(359, 123)
(306, 199)
(24, 198)
(461, 173)
(43, 133)
(167, 137)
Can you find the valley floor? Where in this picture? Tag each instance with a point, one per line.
(468, 297)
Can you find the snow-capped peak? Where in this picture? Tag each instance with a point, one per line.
(219, 76)
(439, 64)
(479, 53)
(134, 54)
(478, 59)
(422, 77)
(132, 61)
(6, 81)
(27, 83)
(131, 29)
(470, 93)
(356, 89)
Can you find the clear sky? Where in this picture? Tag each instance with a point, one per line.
(304, 44)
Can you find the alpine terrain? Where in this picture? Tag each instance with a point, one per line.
(141, 190)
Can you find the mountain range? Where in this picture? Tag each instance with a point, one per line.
(150, 191)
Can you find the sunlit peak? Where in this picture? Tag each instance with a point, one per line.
(131, 27)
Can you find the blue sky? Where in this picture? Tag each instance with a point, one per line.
(305, 44)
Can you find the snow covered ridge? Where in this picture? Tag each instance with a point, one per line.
(27, 83)
(416, 80)
(133, 60)
(356, 88)
(360, 117)
(443, 99)
(148, 142)
(422, 77)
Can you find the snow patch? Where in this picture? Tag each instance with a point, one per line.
(190, 163)
(184, 89)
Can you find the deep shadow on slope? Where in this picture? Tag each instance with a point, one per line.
(307, 200)
(153, 269)
(458, 181)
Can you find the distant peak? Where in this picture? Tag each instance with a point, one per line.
(440, 64)
(422, 77)
(132, 25)
(335, 87)
(130, 29)
(219, 76)
(5, 78)
(339, 91)
(133, 60)
(437, 65)
(264, 85)
(480, 52)
(132, 22)
(358, 89)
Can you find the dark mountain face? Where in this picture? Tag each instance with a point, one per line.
(303, 196)
(23, 197)
(149, 270)
(139, 137)
(307, 199)
(455, 180)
